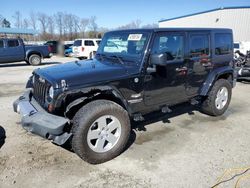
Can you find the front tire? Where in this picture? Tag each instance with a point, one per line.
(35, 60)
(101, 130)
(218, 98)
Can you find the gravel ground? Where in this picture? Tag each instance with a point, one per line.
(189, 150)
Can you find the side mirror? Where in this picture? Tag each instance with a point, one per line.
(158, 59)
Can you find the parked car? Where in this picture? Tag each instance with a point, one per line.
(92, 102)
(68, 50)
(14, 50)
(85, 48)
(54, 45)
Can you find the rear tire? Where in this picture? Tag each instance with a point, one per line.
(101, 130)
(35, 60)
(218, 98)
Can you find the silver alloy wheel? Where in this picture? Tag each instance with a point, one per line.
(104, 133)
(221, 98)
(36, 60)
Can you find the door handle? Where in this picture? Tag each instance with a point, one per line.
(181, 69)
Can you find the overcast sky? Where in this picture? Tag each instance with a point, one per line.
(113, 13)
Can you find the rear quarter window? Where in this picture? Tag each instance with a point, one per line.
(223, 43)
(78, 43)
(13, 43)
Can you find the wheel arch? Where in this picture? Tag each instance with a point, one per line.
(29, 53)
(220, 73)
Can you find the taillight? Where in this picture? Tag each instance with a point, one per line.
(49, 48)
(82, 49)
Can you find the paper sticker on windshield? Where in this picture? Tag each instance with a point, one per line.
(135, 37)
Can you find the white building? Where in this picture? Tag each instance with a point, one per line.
(236, 18)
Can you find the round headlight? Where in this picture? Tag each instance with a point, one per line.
(33, 79)
(51, 92)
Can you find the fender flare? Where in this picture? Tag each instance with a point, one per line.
(213, 76)
(94, 91)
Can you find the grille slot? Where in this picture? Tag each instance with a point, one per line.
(39, 90)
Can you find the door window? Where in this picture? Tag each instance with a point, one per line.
(89, 43)
(13, 43)
(199, 45)
(223, 44)
(171, 44)
(1, 44)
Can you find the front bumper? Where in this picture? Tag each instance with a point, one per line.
(38, 121)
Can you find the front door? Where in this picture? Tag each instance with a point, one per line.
(166, 84)
(199, 61)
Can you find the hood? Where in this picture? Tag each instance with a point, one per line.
(86, 72)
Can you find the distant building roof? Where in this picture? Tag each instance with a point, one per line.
(17, 31)
(212, 10)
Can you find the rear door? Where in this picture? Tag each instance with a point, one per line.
(89, 47)
(14, 50)
(77, 48)
(199, 59)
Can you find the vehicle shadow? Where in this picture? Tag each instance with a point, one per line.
(244, 81)
(5, 65)
(2, 136)
(157, 116)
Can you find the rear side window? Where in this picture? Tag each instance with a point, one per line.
(89, 43)
(223, 44)
(1, 44)
(78, 43)
(13, 43)
(199, 45)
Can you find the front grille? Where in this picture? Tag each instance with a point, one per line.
(40, 88)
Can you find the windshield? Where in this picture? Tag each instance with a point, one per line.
(125, 44)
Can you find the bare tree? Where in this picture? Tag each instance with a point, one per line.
(83, 26)
(1, 18)
(76, 25)
(59, 22)
(18, 19)
(4, 22)
(93, 25)
(132, 25)
(51, 25)
(43, 19)
(33, 20)
(25, 23)
(153, 25)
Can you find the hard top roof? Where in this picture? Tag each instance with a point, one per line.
(174, 29)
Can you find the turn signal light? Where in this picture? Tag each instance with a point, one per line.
(50, 108)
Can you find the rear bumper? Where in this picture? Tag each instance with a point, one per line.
(38, 121)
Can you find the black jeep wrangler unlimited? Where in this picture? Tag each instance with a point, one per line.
(134, 72)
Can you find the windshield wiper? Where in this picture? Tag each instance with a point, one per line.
(101, 56)
(118, 58)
